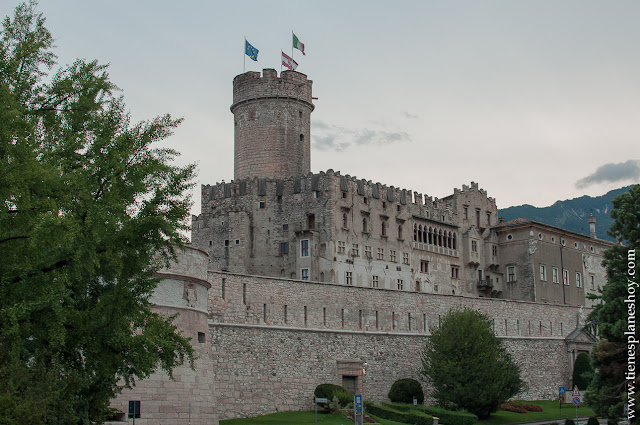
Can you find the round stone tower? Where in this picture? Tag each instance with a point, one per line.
(272, 124)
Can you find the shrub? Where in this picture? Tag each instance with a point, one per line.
(404, 390)
(582, 371)
(334, 405)
(593, 421)
(518, 407)
(447, 417)
(612, 421)
(331, 391)
(410, 416)
(569, 422)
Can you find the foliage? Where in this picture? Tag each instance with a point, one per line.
(334, 405)
(90, 210)
(519, 407)
(582, 371)
(468, 365)
(404, 390)
(402, 414)
(593, 421)
(606, 393)
(569, 422)
(447, 417)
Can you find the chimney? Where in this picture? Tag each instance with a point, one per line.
(592, 226)
(501, 219)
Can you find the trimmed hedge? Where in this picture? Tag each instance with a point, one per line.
(408, 417)
(329, 391)
(404, 390)
(593, 421)
(447, 417)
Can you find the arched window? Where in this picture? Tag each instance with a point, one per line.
(454, 241)
(430, 236)
(449, 240)
(400, 232)
(439, 237)
(420, 239)
(415, 233)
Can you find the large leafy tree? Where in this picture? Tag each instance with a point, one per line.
(91, 208)
(468, 365)
(609, 387)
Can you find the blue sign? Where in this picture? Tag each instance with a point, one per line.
(562, 390)
(357, 403)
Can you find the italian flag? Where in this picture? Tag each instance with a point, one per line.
(297, 44)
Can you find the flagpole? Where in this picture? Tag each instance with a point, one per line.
(281, 61)
(244, 54)
(291, 44)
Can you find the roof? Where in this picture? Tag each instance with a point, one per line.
(521, 221)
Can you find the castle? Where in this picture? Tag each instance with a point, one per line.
(298, 278)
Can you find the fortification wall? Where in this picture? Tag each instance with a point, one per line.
(274, 340)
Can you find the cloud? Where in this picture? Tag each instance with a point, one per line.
(628, 170)
(332, 137)
(410, 115)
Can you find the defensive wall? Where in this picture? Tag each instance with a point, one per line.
(273, 340)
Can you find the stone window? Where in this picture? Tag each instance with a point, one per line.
(477, 218)
(348, 278)
(405, 258)
(392, 255)
(285, 227)
(400, 232)
(511, 273)
(316, 194)
(237, 241)
(304, 274)
(384, 229)
(262, 204)
(284, 247)
(592, 283)
(375, 281)
(398, 207)
(424, 266)
(201, 337)
(344, 195)
(285, 314)
(415, 233)
(384, 204)
(543, 272)
(341, 247)
(435, 287)
(302, 137)
(342, 316)
(311, 221)
(400, 284)
(367, 251)
(494, 250)
(417, 286)
(454, 241)
(474, 246)
(455, 270)
(364, 199)
(324, 316)
(465, 213)
(355, 250)
(226, 242)
(578, 280)
(565, 276)
(304, 248)
(380, 253)
(365, 225)
(344, 221)
(555, 276)
(488, 219)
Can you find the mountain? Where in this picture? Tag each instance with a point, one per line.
(571, 214)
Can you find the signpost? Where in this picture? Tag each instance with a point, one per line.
(319, 400)
(576, 398)
(562, 397)
(358, 413)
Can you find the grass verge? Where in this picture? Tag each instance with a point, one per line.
(551, 410)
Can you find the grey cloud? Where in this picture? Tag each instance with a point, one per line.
(331, 137)
(410, 115)
(627, 170)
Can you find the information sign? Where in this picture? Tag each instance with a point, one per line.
(357, 403)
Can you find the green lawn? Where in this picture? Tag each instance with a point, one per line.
(551, 411)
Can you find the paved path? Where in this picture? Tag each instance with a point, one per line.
(581, 421)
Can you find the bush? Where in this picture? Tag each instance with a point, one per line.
(329, 391)
(582, 371)
(517, 407)
(593, 421)
(404, 390)
(447, 417)
(569, 422)
(410, 416)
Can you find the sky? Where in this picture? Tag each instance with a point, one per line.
(536, 101)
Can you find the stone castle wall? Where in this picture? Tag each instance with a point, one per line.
(274, 340)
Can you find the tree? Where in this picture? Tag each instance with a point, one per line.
(468, 365)
(608, 389)
(91, 208)
(582, 371)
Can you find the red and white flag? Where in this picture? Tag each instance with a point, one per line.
(289, 62)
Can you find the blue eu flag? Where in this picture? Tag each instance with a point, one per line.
(250, 51)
